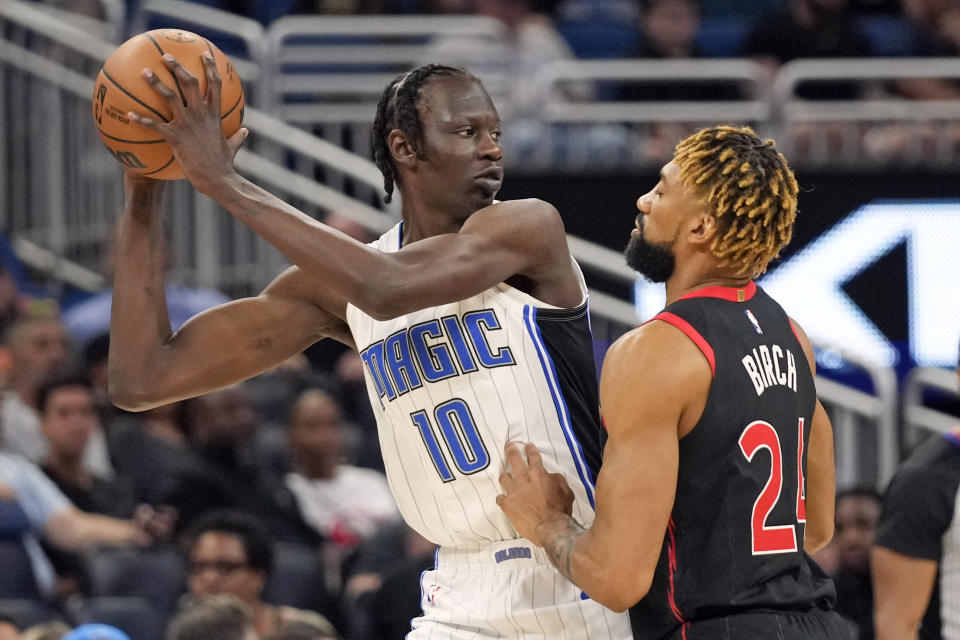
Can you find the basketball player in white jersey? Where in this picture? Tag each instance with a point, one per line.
(470, 317)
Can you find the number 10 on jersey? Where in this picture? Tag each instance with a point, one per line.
(459, 434)
(766, 538)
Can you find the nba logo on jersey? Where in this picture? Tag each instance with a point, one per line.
(753, 320)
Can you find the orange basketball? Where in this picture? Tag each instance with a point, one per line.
(121, 88)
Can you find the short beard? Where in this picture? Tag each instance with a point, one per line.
(653, 261)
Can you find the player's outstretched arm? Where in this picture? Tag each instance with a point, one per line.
(654, 381)
(519, 237)
(820, 475)
(150, 365)
(503, 240)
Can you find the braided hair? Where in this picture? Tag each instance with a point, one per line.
(397, 109)
(750, 188)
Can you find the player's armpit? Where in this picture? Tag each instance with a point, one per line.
(651, 379)
(821, 476)
(902, 586)
(223, 345)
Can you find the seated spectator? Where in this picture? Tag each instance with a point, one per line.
(39, 349)
(325, 486)
(857, 512)
(148, 447)
(383, 589)
(915, 562)
(220, 617)
(222, 472)
(937, 27)
(668, 30)
(230, 552)
(8, 630)
(68, 418)
(52, 516)
(810, 29)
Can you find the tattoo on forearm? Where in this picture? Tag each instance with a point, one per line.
(559, 546)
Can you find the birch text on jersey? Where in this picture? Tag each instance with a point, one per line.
(765, 366)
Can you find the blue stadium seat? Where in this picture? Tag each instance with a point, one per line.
(297, 579)
(135, 616)
(599, 28)
(16, 572)
(722, 36)
(889, 36)
(158, 575)
(597, 40)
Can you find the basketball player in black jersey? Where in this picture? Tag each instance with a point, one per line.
(717, 478)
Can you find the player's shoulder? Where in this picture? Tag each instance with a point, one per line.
(654, 346)
(532, 208)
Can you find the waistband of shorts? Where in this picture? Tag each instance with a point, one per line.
(501, 555)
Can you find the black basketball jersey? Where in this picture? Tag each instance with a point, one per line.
(734, 541)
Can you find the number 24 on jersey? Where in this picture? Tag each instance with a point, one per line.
(767, 539)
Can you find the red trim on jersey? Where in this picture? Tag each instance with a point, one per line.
(733, 294)
(672, 567)
(692, 333)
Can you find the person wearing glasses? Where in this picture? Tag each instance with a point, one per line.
(232, 552)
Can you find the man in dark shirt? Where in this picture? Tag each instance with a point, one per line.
(916, 558)
(68, 417)
(858, 510)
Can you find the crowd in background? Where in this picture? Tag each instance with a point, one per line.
(271, 491)
(771, 32)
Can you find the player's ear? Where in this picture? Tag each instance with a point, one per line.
(703, 228)
(400, 149)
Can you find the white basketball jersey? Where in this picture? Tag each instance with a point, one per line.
(450, 385)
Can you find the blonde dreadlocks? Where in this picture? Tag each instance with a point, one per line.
(750, 188)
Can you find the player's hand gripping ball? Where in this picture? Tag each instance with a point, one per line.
(121, 88)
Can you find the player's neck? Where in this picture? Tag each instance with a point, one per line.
(681, 284)
(426, 223)
(424, 217)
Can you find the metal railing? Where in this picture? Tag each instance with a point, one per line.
(866, 434)
(248, 35)
(324, 75)
(210, 250)
(920, 419)
(53, 160)
(875, 126)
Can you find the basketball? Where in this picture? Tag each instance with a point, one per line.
(121, 88)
